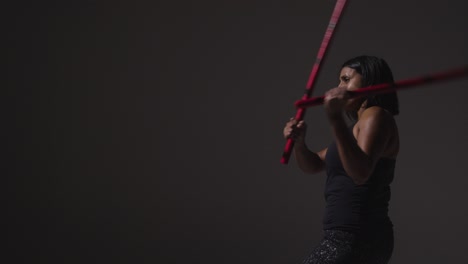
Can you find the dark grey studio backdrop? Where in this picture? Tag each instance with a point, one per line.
(151, 132)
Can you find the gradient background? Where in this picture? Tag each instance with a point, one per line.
(151, 131)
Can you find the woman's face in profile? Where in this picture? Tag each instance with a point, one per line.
(352, 80)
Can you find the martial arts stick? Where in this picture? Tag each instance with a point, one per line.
(388, 87)
(339, 6)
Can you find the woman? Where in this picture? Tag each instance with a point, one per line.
(359, 164)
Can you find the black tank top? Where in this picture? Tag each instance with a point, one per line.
(357, 208)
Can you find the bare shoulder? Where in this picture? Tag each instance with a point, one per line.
(376, 118)
(376, 114)
(379, 125)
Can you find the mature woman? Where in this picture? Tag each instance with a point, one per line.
(359, 164)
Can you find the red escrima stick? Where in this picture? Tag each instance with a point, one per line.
(389, 87)
(340, 4)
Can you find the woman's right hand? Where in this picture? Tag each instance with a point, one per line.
(295, 130)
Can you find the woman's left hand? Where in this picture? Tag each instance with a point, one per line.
(335, 101)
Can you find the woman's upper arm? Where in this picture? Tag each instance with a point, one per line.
(375, 130)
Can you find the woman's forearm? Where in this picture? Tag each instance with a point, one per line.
(357, 164)
(308, 161)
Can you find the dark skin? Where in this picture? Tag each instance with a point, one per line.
(374, 136)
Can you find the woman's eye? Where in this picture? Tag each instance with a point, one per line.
(344, 79)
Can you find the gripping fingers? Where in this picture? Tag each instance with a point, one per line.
(294, 129)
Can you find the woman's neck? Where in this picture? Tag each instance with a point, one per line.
(361, 109)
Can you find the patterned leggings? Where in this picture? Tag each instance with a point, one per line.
(340, 247)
